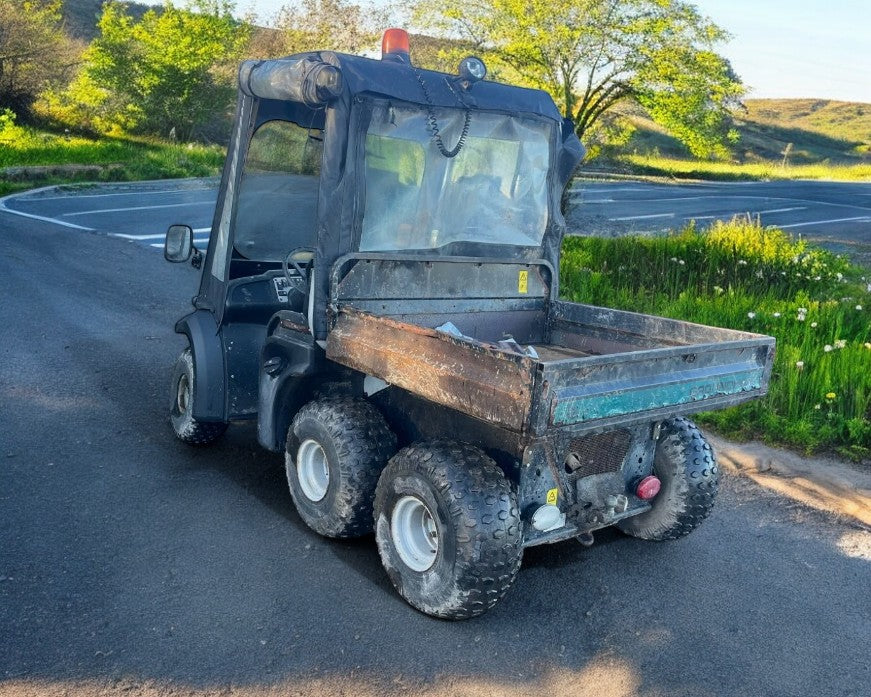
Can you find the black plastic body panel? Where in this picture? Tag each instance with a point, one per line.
(209, 402)
(291, 366)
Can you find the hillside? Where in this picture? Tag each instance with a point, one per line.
(819, 130)
(843, 122)
(80, 16)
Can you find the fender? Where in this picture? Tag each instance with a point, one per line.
(210, 389)
(289, 367)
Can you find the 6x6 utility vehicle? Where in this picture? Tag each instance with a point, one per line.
(380, 292)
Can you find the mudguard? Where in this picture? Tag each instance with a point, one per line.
(289, 362)
(209, 403)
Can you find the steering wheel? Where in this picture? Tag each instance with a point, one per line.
(298, 259)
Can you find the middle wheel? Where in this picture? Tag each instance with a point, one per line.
(336, 448)
(448, 529)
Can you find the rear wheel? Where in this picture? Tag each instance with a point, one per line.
(186, 427)
(685, 464)
(336, 449)
(448, 529)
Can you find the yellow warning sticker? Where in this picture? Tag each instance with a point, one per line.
(552, 496)
(523, 282)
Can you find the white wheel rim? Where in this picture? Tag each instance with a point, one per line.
(415, 533)
(183, 394)
(312, 470)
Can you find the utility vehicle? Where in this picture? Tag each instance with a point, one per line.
(380, 292)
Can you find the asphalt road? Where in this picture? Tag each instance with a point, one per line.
(131, 563)
(837, 214)
(833, 212)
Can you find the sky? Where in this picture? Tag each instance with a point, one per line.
(779, 48)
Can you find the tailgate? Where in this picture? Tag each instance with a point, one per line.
(654, 368)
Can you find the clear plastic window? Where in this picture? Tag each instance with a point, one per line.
(278, 194)
(494, 191)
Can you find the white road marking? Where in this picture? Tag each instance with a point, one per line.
(39, 217)
(136, 237)
(69, 196)
(153, 237)
(724, 215)
(644, 217)
(781, 210)
(609, 190)
(140, 208)
(749, 198)
(863, 218)
(202, 241)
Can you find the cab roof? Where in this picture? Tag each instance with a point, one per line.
(399, 80)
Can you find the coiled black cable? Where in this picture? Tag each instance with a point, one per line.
(433, 124)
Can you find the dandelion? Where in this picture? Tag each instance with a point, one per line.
(818, 406)
(681, 262)
(751, 315)
(718, 290)
(827, 348)
(674, 259)
(840, 343)
(868, 345)
(839, 276)
(799, 364)
(830, 395)
(801, 318)
(741, 262)
(776, 314)
(817, 278)
(858, 307)
(813, 325)
(802, 310)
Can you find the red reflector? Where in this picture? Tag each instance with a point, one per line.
(394, 41)
(648, 488)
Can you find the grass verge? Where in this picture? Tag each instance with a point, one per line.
(741, 275)
(730, 171)
(31, 157)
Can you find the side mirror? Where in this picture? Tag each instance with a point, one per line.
(179, 243)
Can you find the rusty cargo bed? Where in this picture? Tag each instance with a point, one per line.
(597, 367)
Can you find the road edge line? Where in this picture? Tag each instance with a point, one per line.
(33, 216)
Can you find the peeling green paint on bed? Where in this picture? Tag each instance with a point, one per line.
(604, 403)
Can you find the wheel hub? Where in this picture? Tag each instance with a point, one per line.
(415, 533)
(312, 470)
(183, 394)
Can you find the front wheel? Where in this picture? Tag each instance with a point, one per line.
(186, 427)
(448, 529)
(685, 464)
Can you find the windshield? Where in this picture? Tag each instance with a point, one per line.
(494, 191)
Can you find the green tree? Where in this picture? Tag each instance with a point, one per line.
(335, 25)
(172, 71)
(592, 54)
(35, 54)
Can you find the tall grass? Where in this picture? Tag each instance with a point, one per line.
(731, 171)
(744, 276)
